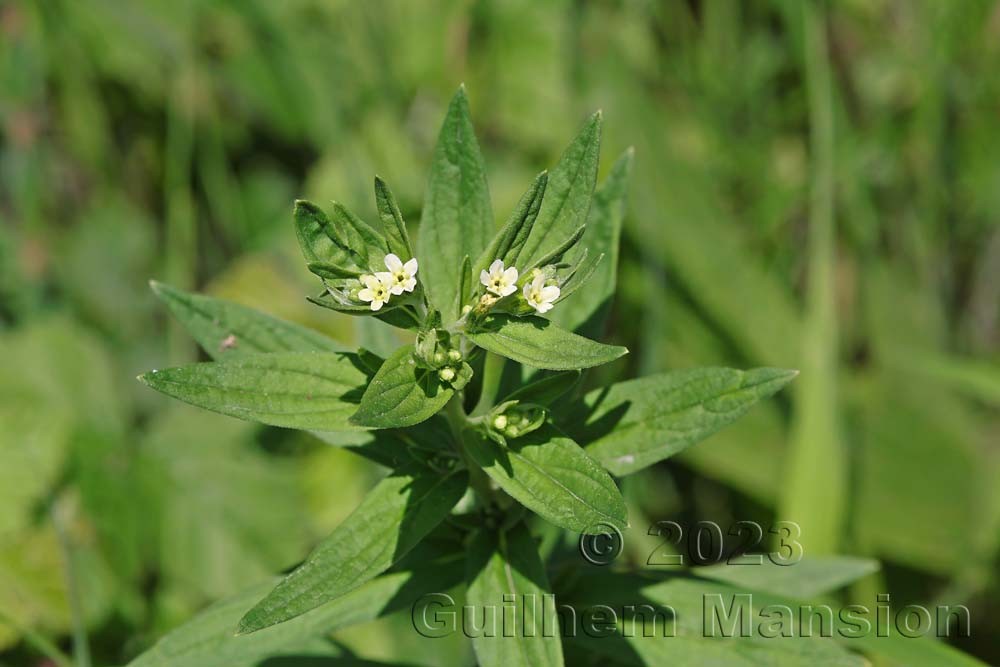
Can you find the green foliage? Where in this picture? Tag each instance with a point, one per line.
(502, 566)
(814, 188)
(536, 342)
(393, 518)
(549, 474)
(631, 425)
(512, 444)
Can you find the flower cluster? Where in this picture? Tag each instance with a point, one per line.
(398, 279)
(501, 281)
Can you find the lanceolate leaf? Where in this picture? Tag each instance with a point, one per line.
(567, 195)
(507, 243)
(457, 219)
(393, 226)
(811, 577)
(390, 521)
(586, 311)
(503, 570)
(537, 342)
(402, 393)
(551, 475)
(318, 237)
(360, 237)
(307, 390)
(208, 639)
(633, 424)
(227, 330)
(546, 390)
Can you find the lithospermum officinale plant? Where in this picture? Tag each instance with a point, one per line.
(479, 418)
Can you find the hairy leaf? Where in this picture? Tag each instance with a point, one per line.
(227, 330)
(547, 389)
(507, 243)
(503, 570)
(586, 311)
(567, 195)
(307, 390)
(318, 237)
(811, 577)
(390, 521)
(208, 639)
(634, 424)
(551, 475)
(393, 226)
(457, 218)
(402, 393)
(536, 342)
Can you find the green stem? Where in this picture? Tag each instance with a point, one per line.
(492, 373)
(81, 650)
(458, 423)
(37, 641)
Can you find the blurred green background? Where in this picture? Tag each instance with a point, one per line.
(816, 186)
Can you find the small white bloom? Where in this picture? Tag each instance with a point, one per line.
(403, 279)
(498, 280)
(540, 296)
(377, 289)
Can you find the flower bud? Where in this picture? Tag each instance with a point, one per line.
(447, 374)
(454, 355)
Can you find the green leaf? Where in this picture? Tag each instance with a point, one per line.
(393, 226)
(390, 521)
(631, 425)
(567, 195)
(587, 311)
(551, 475)
(208, 639)
(507, 243)
(306, 390)
(503, 570)
(396, 314)
(318, 237)
(546, 390)
(402, 393)
(535, 341)
(361, 238)
(457, 218)
(227, 330)
(811, 577)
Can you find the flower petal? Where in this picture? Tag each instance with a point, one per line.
(396, 289)
(393, 263)
(510, 275)
(377, 304)
(496, 266)
(411, 266)
(484, 278)
(366, 294)
(550, 293)
(410, 284)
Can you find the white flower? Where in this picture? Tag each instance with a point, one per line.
(377, 289)
(498, 280)
(402, 274)
(539, 296)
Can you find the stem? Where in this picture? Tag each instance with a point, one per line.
(492, 372)
(37, 641)
(81, 650)
(458, 423)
